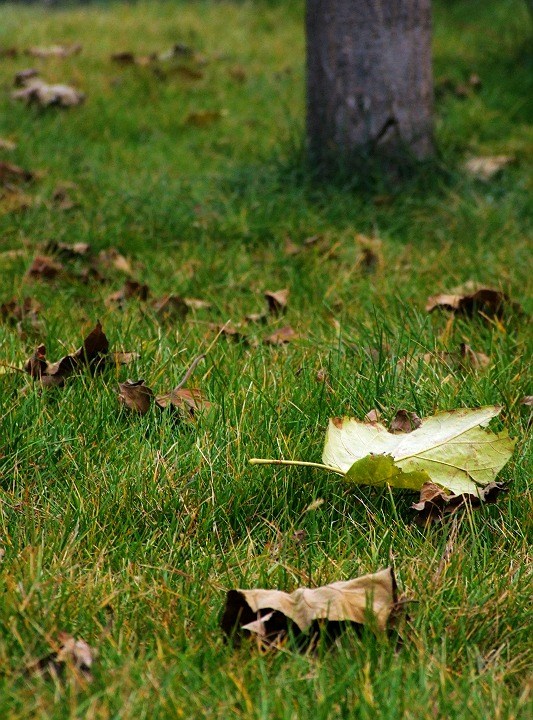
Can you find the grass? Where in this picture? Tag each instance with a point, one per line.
(157, 520)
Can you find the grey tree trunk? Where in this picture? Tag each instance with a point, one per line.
(369, 77)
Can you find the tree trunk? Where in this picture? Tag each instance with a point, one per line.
(369, 79)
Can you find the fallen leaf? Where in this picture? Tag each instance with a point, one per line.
(9, 52)
(473, 297)
(202, 118)
(229, 331)
(197, 304)
(170, 307)
(373, 416)
(270, 613)
(124, 358)
(277, 300)
(55, 51)
(281, 336)
(405, 421)
(71, 652)
(22, 76)
(14, 174)
(485, 168)
(261, 317)
(111, 258)
(44, 267)
(15, 311)
(370, 258)
(8, 145)
(189, 401)
(131, 289)
(238, 73)
(527, 400)
(40, 93)
(451, 449)
(68, 251)
(93, 353)
(435, 503)
(63, 199)
(470, 358)
(136, 396)
(290, 248)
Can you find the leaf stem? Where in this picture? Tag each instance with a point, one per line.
(300, 463)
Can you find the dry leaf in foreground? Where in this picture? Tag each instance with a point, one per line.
(281, 336)
(485, 168)
(71, 652)
(270, 614)
(473, 297)
(136, 396)
(44, 267)
(435, 504)
(277, 300)
(188, 401)
(40, 93)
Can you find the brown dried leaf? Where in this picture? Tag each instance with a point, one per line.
(229, 331)
(281, 336)
(124, 358)
(485, 168)
(22, 76)
(405, 421)
(111, 258)
(277, 300)
(527, 400)
(473, 297)
(9, 52)
(131, 289)
(197, 304)
(63, 199)
(44, 267)
(373, 416)
(188, 401)
(470, 358)
(269, 613)
(70, 652)
(238, 73)
(170, 307)
(435, 503)
(10, 174)
(55, 51)
(370, 259)
(136, 396)
(66, 250)
(6, 144)
(15, 311)
(40, 93)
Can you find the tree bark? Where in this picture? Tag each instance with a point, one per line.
(369, 77)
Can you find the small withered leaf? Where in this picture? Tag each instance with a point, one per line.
(111, 258)
(486, 168)
(136, 396)
(69, 652)
(124, 358)
(369, 599)
(6, 144)
(197, 303)
(281, 337)
(22, 76)
(40, 93)
(527, 400)
(473, 359)
(131, 289)
(36, 365)
(10, 173)
(95, 346)
(277, 300)
(435, 503)
(370, 258)
(44, 267)
(405, 421)
(373, 416)
(189, 401)
(170, 307)
(68, 251)
(470, 298)
(15, 311)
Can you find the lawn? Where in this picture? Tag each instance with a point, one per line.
(128, 530)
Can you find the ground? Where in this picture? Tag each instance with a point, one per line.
(127, 531)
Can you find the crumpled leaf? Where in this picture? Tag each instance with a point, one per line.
(435, 503)
(15, 311)
(93, 353)
(485, 168)
(269, 613)
(111, 258)
(71, 652)
(473, 359)
(473, 297)
(189, 401)
(277, 300)
(44, 267)
(370, 259)
(404, 421)
(22, 76)
(452, 449)
(40, 93)
(131, 289)
(527, 400)
(10, 173)
(136, 396)
(282, 336)
(170, 307)
(68, 251)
